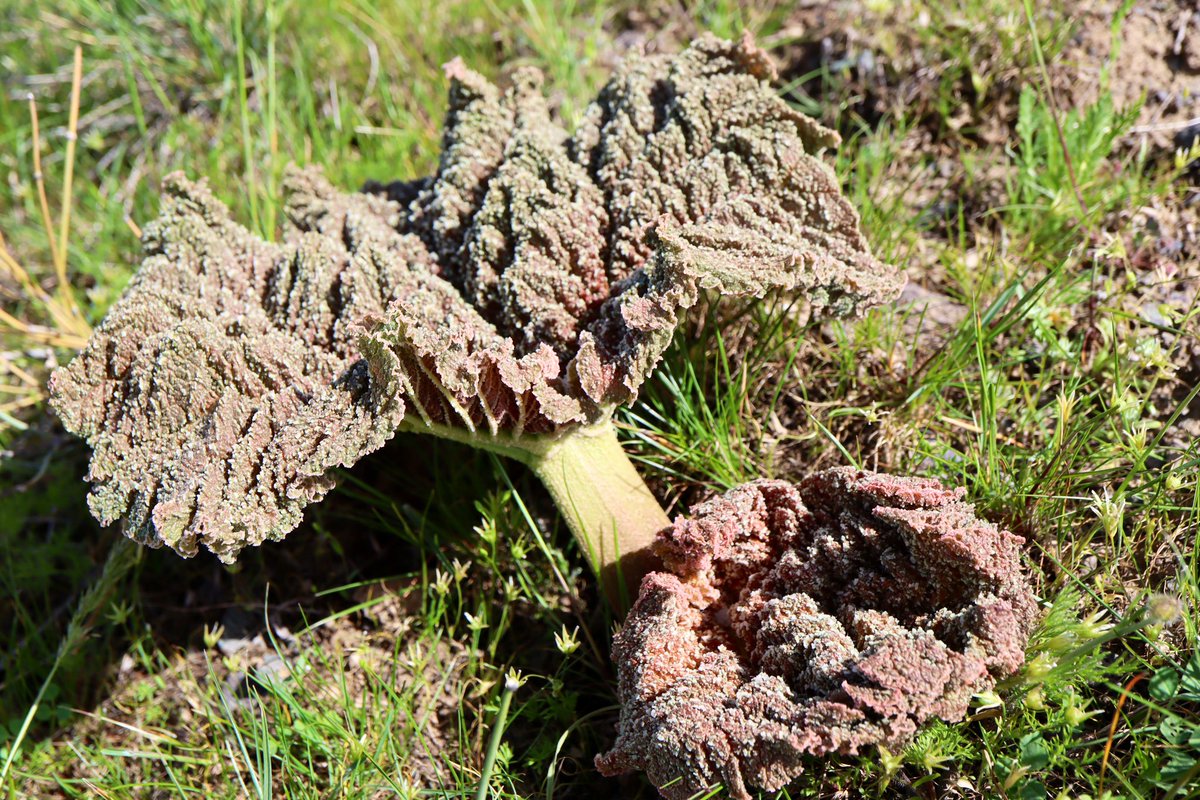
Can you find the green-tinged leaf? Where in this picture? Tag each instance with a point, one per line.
(1034, 753)
(1164, 684)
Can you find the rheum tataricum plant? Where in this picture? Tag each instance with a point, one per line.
(798, 621)
(512, 301)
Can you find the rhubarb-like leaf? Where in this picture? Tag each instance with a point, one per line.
(797, 621)
(512, 300)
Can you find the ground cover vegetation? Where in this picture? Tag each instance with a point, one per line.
(431, 625)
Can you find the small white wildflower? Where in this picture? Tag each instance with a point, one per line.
(487, 531)
(890, 761)
(1039, 667)
(1093, 627)
(1138, 441)
(213, 635)
(1110, 510)
(441, 581)
(518, 549)
(514, 680)
(1184, 156)
(567, 641)
(460, 569)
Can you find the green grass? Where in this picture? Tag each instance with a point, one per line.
(432, 572)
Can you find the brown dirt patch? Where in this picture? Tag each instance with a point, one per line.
(1157, 58)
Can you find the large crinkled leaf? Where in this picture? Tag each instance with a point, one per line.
(534, 253)
(530, 285)
(455, 369)
(688, 174)
(673, 138)
(799, 621)
(225, 384)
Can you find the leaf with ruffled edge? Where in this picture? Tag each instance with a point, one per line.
(798, 621)
(226, 383)
(523, 292)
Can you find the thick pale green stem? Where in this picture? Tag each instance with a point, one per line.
(604, 501)
(607, 505)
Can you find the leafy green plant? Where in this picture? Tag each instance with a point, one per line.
(1062, 173)
(1175, 693)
